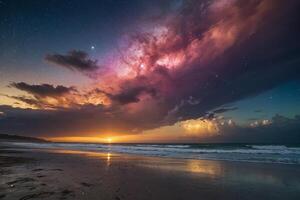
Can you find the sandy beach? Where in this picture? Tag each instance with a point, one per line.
(68, 174)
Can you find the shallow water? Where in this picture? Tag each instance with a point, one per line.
(232, 152)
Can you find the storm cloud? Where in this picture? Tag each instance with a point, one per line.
(280, 130)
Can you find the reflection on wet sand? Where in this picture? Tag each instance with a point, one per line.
(108, 156)
(101, 155)
(211, 168)
(249, 173)
(193, 166)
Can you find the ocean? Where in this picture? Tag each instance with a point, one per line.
(285, 154)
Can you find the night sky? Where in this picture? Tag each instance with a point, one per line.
(151, 71)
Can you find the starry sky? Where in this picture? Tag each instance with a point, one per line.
(151, 71)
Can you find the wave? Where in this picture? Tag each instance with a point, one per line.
(250, 153)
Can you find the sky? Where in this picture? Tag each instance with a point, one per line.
(151, 71)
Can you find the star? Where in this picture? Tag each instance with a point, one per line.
(92, 47)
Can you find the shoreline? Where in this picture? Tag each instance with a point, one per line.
(269, 154)
(69, 174)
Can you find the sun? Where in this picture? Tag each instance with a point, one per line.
(109, 140)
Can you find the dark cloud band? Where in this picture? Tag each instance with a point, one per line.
(43, 90)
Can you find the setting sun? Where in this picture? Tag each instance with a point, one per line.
(109, 140)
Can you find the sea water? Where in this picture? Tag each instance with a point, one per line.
(266, 153)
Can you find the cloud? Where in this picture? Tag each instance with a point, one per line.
(32, 102)
(131, 95)
(222, 58)
(213, 114)
(74, 60)
(222, 110)
(87, 119)
(46, 96)
(98, 120)
(179, 66)
(43, 90)
(279, 129)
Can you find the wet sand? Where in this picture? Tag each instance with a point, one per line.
(64, 174)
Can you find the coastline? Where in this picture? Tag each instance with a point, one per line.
(73, 174)
(256, 153)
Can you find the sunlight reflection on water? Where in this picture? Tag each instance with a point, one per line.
(232, 172)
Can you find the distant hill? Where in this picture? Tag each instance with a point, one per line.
(6, 137)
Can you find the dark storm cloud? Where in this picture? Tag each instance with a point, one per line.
(72, 121)
(280, 130)
(219, 75)
(74, 60)
(43, 90)
(88, 118)
(126, 96)
(131, 95)
(261, 62)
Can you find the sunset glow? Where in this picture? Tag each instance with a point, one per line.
(109, 140)
(183, 73)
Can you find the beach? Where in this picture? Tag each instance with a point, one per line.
(58, 173)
